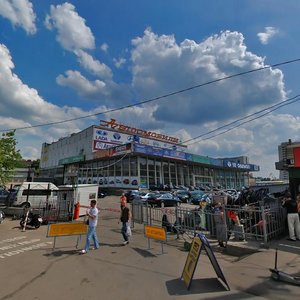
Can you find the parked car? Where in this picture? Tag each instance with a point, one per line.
(7, 197)
(197, 196)
(167, 199)
(183, 195)
(151, 195)
(132, 195)
(3, 196)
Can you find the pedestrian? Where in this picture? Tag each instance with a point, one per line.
(92, 214)
(221, 229)
(125, 218)
(292, 217)
(298, 204)
(123, 200)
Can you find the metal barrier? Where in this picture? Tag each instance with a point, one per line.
(259, 223)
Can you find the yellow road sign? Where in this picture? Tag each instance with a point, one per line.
(64, 229)
(191, 261)
(156, 233)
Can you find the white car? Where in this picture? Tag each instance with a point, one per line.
(146, 196)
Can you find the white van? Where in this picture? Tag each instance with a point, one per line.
(36, 195)
(83, 193)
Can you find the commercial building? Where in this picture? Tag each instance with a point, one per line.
(116, 155)
(290, 163)
(282, 155)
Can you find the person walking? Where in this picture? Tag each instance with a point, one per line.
(292, 217)
(298, 205)
(123, 200)
(125, 218)
(92, 214)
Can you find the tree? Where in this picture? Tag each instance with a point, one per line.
(10, 157)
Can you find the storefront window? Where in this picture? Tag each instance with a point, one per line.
(166, 172)
(173, 174)
(143, 166)
(125, 166)
(118, 167)
(151, 170)
(133, 166)
(111, 168)
(158, 172)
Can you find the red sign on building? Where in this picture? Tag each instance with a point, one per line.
(296, 152)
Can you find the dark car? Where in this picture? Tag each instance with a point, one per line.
(197, 196)
(7, 197)
(183, 195)
(167, 199)
(4, 193)
(132, 195)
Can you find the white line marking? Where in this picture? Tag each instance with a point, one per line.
(289, 246)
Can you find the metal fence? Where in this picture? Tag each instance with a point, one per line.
(260, 223)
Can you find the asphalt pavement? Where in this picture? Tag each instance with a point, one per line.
(31, 269)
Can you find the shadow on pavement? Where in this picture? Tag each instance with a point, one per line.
(58, 253)
(144, 253)
(198, 286)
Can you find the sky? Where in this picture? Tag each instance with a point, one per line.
(167, 66)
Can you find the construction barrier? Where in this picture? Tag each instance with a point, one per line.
(67, 229)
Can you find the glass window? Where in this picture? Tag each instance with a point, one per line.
(119, 168)
(125, 166)
(111, 168)
(133, 166)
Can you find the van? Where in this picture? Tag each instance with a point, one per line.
(83, 193)
(35, 195)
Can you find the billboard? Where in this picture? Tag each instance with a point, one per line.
(104, 139)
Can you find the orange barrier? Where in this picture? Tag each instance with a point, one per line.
(76, 211)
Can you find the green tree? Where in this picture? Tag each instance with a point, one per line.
(10, 157)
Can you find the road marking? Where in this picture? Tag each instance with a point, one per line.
(294, 247)
(29, 245)
(13, 239)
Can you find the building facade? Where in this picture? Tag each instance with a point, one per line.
(282, 156)
(117, 155)
(291, 164)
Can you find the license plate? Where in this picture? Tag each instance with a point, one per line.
(40, 220)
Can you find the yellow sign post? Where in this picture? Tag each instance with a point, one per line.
(200, 242)
(66, 229)
(155, 233)
(191, 261)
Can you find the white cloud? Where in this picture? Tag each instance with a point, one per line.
(22, 106)
(78, 82)
(119, 62)
(20, 13)
(161, 65)
(96, 67)
(267, 35)
(73, 34)
(104, 47)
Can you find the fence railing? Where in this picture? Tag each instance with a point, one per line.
(260, 223)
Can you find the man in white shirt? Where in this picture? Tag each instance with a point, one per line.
(92, 214)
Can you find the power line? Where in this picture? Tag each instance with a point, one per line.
(268, 111)
(155, 98)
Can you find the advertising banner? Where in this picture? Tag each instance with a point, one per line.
(237, 165)
(104, 139)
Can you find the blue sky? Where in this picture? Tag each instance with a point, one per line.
(62, 60)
